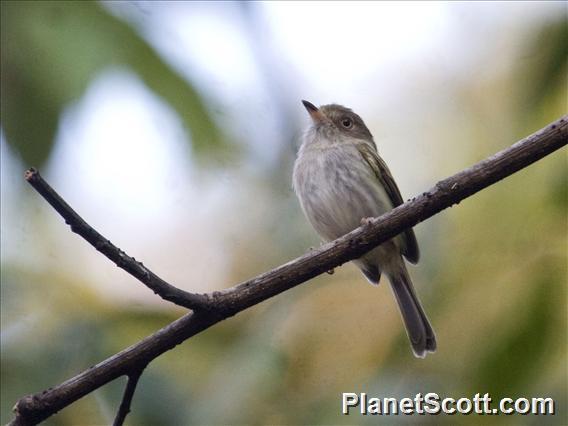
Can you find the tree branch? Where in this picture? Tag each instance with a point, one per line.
(124, 407)
(35, 408)
(165, 290)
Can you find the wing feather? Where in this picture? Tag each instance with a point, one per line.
(370, 155)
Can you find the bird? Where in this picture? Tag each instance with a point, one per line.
(341, 182)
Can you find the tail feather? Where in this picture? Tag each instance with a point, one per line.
(418, 328)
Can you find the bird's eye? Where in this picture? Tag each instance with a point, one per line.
(347, 122)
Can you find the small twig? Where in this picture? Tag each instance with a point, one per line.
(32, 409)
(165, 290)
(124, 407)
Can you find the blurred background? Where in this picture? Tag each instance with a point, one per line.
(172, 128)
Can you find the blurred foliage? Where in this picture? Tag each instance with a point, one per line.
(547, 53)
(492, 277)
(51, 50)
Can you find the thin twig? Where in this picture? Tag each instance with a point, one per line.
(124, 407)
(32, 409)
(165, 290)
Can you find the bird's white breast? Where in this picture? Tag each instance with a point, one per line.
(337, 188)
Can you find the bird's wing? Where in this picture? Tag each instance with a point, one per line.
(370, 155)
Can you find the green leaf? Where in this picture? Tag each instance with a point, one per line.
(50, 53)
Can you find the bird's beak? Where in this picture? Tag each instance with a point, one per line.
(315, 113)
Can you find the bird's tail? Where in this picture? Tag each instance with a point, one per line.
(418, 328)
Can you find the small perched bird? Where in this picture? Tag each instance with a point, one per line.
(341, 180)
